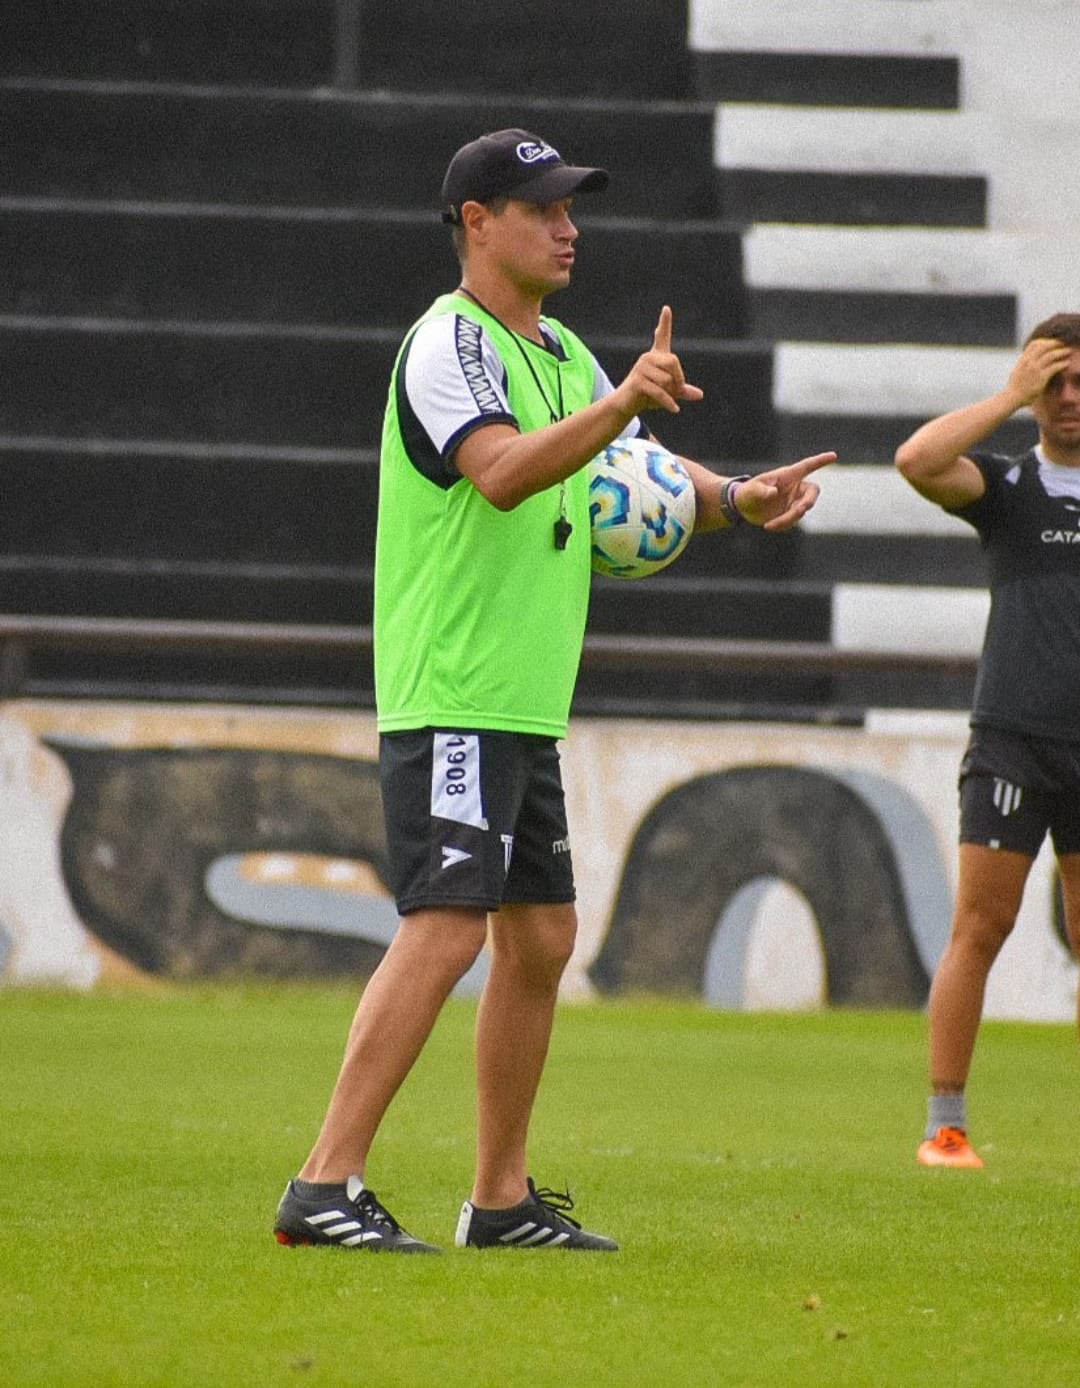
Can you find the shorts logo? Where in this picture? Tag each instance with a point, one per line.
(508, 850)
(452, 856)
(1007, 797)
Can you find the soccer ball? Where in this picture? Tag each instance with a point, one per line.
(641, 508)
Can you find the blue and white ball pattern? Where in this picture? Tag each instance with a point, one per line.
(641, 508)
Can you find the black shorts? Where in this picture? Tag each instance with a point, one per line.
(1015, 789)
(474, 819)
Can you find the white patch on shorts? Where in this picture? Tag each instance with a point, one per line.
(455, 779)
(1007, 797)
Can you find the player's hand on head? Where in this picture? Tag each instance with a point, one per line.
(656, 381)
(778, 499)
(1037, 365)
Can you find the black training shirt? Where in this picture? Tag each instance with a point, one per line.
(1029, 672)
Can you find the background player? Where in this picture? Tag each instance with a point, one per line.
(1020, 775)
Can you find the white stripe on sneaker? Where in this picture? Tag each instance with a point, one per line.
(346, 1231)
(344, 1226)
(324, 1216)
(530, 1235)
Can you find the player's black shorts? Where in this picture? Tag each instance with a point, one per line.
(474, 819)
(1015, 789)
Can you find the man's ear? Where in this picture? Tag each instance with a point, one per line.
(474, 215)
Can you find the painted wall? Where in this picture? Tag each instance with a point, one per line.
(757, 865)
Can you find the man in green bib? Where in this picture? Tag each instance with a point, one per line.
(482, 574)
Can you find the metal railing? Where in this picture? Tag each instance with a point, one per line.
(21, 636)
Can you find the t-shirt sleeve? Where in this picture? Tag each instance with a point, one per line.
(454, 381)
(982, 512)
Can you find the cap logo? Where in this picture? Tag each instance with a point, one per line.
(533, 151)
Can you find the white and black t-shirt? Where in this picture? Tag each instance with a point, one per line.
(452, 380)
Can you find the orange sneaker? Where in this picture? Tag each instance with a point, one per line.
(948, 1147)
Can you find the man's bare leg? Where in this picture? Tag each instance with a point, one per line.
(531, 946)
(401, 1003)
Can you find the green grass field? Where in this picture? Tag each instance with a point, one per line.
(758, 1170)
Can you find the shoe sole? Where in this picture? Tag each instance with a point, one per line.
(293, 1241)
(967, 1162)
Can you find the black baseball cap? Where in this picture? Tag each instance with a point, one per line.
(513, 164)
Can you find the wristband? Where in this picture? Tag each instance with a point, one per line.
(732, 514)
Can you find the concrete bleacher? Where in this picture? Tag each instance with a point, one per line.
(906, 231)
(221, 217)
(925, 149)
(213, 264)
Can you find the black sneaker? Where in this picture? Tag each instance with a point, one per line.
(348, 1215)
(541, 1221)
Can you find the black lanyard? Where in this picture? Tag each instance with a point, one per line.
(562, 529)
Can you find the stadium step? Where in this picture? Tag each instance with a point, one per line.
(876, 284)
(559, 49)
(174, 590)
(562, 48)
(329, 268)
(851, 315)
(301, 386)
(94, 529)
(225, 384)
(271, 42)
(874, 438)
(852, 199)
(867, 399)
(101, 500)
(892, 80)
(848, 165)
(140, 588)
(735, 608)
(839, 53)
(373, 149)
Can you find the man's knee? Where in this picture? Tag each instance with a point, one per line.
(447, 940)
(537, 938)
(983, 928)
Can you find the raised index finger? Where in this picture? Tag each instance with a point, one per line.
(805, 466)
(662, 335)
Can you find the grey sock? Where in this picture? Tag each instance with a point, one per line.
(946, 1111)
(317, 1190)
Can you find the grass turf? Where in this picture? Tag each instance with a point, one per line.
(758, 1170)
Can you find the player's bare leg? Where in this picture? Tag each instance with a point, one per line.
(1069, 870)
(531, 946)
(990, 888)
(429, 954)
(988, 898)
